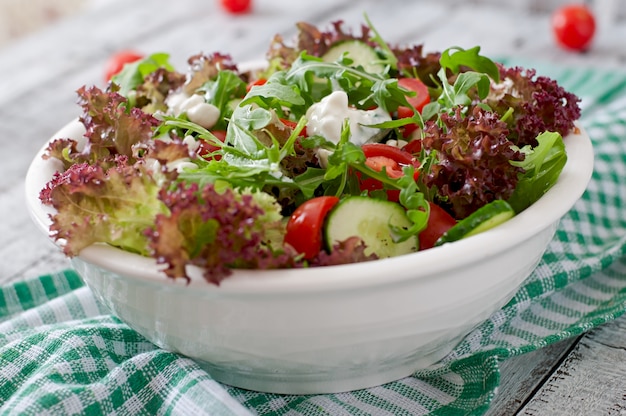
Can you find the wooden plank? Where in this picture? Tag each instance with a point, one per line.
(521, 375)
(25, 251)
(590, 381)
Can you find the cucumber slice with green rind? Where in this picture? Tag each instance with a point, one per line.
(369, 219)
(360, 52)
(483, 219)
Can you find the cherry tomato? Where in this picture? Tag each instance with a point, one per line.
(207, 148)
(237, 6)
(259, 81)
(574, 27)
(292, 125)
(304, 228)
(377, 163)
(418, 101)
(414, 147)
(393, 159)
(439, 221)
(117, 61)
(380, 149)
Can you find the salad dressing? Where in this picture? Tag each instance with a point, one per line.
(197, 109)
(499, 90)
(326, 119)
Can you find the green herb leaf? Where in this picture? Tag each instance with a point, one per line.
(389, 58)
(310, 181)
(465, 82)
(417, 208)
(245, 119)
(133, 73)
(276, 93)
(543, 165)
(455, 58)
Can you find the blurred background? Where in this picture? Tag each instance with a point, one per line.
(19, 18)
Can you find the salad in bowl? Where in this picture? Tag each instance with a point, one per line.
(335, 217)
(339, 149)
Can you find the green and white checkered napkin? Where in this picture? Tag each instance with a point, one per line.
(62, 353)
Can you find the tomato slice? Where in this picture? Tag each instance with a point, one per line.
(439, 221)
(393, 159)
(260, 81)
(207, 148)
(117, 61)
(377, 163)
(292, 125)
(414, 147)
(304, 228)
(396, 154)
(418, 101)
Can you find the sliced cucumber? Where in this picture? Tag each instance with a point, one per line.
(369, 219)
(360, 52)
(484, 218)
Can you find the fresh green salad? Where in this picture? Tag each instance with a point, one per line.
(341, 148)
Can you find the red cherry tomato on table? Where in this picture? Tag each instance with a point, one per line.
(236, 6)
(304, 228)
(574, 27)
(439, 221)
(117, 61)
(418, 101)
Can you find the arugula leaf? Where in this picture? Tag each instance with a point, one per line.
(241, 169)
(456, 95)
(543, 165)
(182, 128)
(417, 208)
(133, 74)
(316, 141)
(276, 93)
(389, 58)
(346, 154)
(431, 110)
(245, 119)
(238, 176)
(465, 82)
(470, 58)
(310, 181)
(451, 96)
(258, 109)
(393, 124)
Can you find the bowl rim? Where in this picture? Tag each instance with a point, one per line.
(542, 214)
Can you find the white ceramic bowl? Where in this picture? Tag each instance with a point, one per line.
(327, 329)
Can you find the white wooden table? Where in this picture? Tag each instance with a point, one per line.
(39, 75)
